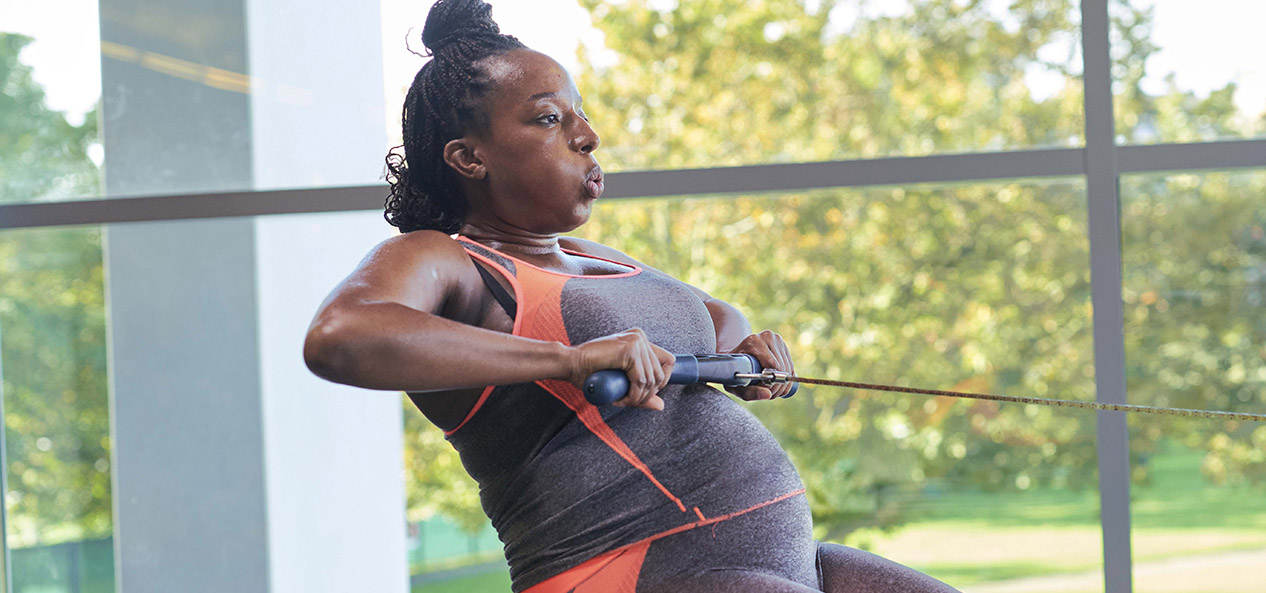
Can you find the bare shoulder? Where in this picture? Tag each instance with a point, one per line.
(418, 246)
(419, 269)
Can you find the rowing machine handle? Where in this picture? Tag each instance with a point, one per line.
(604, 387)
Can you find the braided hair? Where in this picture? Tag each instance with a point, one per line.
(444, 103)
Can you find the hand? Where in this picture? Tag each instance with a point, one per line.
(647, 365)
(771, 351)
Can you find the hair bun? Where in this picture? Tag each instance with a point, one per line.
(452, 20)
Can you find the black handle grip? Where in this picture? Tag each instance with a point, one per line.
(604, 387)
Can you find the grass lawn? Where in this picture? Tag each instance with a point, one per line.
(968, 538)
(493, 581)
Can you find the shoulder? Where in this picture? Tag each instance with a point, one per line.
(417, 248)
(423, 265)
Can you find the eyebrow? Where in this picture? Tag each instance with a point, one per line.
(548, 95)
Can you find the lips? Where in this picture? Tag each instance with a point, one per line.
(593, 182)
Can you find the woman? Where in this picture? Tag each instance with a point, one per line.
(671, 489)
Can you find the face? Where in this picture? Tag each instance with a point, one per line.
(538, 173)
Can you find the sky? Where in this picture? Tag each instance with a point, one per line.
(1205, 44)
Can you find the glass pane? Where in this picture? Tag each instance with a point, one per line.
(695, 84)
(1194, 273)
(1188, 71)
(980, 288)
(56, 412)
(50, 70)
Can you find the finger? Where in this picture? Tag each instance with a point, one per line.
(640, 380)
(751, 392)
(789, 367)
(653, 402)
(658, 375)
(764, 354)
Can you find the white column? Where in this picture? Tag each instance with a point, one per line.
(333, 455)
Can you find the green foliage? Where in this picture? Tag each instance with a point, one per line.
(52, 325)
(42, 156)
(1195, 274)
(437, 482)
(52, 339)
(711, 83)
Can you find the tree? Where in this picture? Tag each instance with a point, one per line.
(52, 324)
(42, 156)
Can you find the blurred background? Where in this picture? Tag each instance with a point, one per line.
(182, 183)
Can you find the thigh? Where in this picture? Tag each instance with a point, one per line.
(770, 544)
(849, 570)
(730, 581)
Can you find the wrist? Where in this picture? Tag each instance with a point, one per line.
(569, 360)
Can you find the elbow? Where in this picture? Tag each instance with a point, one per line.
(325, 351)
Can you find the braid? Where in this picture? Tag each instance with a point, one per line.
(444, 102)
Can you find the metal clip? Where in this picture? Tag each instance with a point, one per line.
(765, 377)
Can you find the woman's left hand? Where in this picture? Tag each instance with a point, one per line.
(771, 351)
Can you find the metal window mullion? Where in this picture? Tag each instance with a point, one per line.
(746, 179)
(1104, 212)
(1221, 155)
(950, 168)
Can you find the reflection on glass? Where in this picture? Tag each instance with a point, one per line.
(1188, 71)
(57, 435)
(1194, 249)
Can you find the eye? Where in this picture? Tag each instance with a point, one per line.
(551, 118)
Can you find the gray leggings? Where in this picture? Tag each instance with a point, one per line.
(771, 550)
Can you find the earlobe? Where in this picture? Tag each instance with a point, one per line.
(462, 158)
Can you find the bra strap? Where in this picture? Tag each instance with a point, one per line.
(504, 298)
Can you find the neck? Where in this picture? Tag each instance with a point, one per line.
(510, 241)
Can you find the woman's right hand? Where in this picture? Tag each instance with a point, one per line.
(647, 365)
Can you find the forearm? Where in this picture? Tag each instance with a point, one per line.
(393, 347)
(730, 323)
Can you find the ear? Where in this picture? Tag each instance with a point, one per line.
(460, 155)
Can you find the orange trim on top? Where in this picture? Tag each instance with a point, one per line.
(633, 272)
(518, 325)
(592, 419)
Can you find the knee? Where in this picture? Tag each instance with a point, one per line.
(842, 568)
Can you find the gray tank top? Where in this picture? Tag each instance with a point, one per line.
(564, 481)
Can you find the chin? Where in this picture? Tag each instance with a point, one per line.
(580, 218)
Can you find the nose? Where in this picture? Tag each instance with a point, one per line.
(585, 139)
